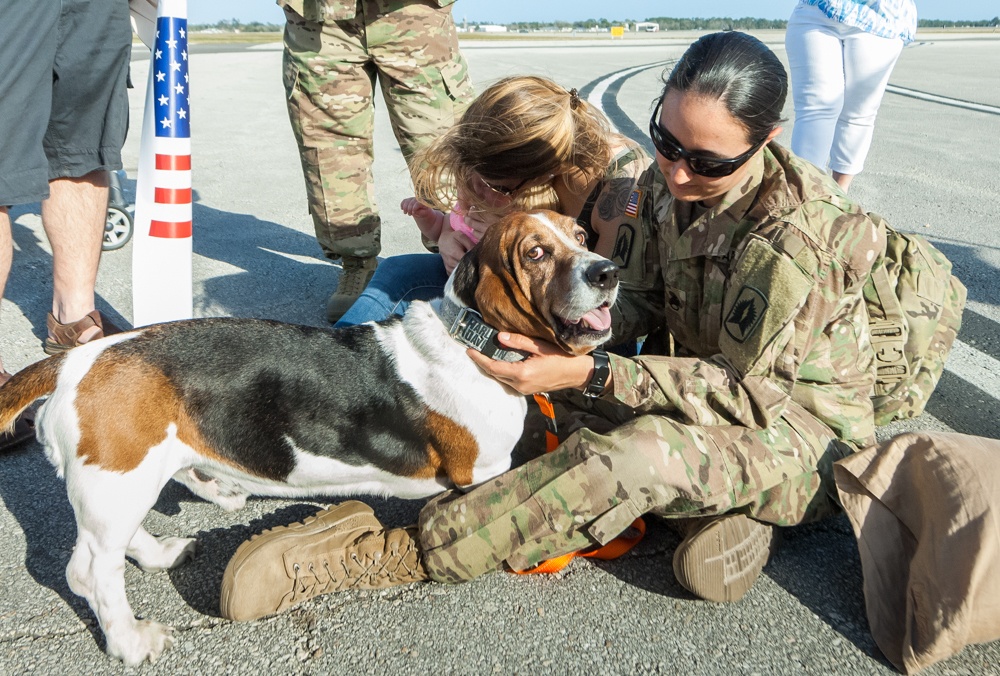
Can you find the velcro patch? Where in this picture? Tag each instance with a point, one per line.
(769, 289)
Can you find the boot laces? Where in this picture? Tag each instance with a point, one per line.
(388, 562)
(353, 278)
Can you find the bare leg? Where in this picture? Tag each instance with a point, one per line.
(74, 216)
(6, 253)
(843, 180)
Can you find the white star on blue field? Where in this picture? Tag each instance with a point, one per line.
(170, 81)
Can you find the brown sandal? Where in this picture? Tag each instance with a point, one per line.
(24, 424)
(63, 337)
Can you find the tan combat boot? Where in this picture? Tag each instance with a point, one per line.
(343, 547)
(720, 558)
(355, 275)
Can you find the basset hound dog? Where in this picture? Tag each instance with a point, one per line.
(237, 407)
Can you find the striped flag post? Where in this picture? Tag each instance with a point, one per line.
(161, 250)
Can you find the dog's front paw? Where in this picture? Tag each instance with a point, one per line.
(146, 640)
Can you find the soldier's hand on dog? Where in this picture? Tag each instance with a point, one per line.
(547, 369)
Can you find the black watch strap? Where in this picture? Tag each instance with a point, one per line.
(602, 370)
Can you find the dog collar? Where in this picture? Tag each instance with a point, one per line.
(467, 327)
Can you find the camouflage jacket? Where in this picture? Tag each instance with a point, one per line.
(758, 317)
(339, 10)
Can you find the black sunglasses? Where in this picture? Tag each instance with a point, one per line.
(504, 190)
(710, 167)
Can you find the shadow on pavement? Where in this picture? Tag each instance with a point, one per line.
(818, 565)
(36, 498)
(282, 273)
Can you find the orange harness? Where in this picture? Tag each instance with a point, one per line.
(617, 547)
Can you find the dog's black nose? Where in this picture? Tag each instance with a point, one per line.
(603, 274)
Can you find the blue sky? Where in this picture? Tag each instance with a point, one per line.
(508, 11)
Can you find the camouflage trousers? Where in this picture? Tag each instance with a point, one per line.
(330, 70)
(620, 466)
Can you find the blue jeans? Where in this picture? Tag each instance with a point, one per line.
(397, 281)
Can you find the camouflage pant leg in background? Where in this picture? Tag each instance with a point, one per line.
(330, 69)
(593, 487)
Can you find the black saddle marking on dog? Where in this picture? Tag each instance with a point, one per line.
(252, 385)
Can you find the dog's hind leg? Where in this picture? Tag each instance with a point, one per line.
(225, 494)
(154, 553)
(96, 572)
(110, 507)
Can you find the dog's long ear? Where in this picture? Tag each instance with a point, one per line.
(465, 278)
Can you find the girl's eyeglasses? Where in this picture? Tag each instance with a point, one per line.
(504, 190)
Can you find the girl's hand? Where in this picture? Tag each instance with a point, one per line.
(430, 221)
(452, 246)
(476, 218)
(480, 221)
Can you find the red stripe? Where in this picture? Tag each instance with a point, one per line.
(170, 230)
(173, 162)
(173, 196)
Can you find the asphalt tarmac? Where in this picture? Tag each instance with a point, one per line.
(934, 168)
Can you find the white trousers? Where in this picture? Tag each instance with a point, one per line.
(839, 74)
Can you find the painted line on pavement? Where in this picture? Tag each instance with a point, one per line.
(974, 367)
(935, 98)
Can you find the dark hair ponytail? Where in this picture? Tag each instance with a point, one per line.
(740, 71)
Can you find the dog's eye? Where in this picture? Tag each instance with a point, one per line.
(536, 253)
(581, 238)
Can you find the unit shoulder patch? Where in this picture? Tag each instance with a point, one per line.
(622, 252)
(747, 313)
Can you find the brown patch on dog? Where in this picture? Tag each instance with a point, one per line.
(452, 447)
(125, 407)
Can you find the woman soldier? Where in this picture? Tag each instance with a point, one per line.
(762, 260)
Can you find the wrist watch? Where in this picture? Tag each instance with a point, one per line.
(602, 369)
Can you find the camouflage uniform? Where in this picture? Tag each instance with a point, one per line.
(334, 50)
(769, 384)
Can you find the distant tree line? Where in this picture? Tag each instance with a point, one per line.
(237, 26)
(748, 23)
(665, 23)
(714, 24)
(937, 23)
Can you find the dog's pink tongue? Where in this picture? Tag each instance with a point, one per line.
(598, 319)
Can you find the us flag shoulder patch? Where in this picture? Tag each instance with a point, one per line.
(632, 207)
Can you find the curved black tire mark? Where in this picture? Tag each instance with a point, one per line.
(609, 102)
